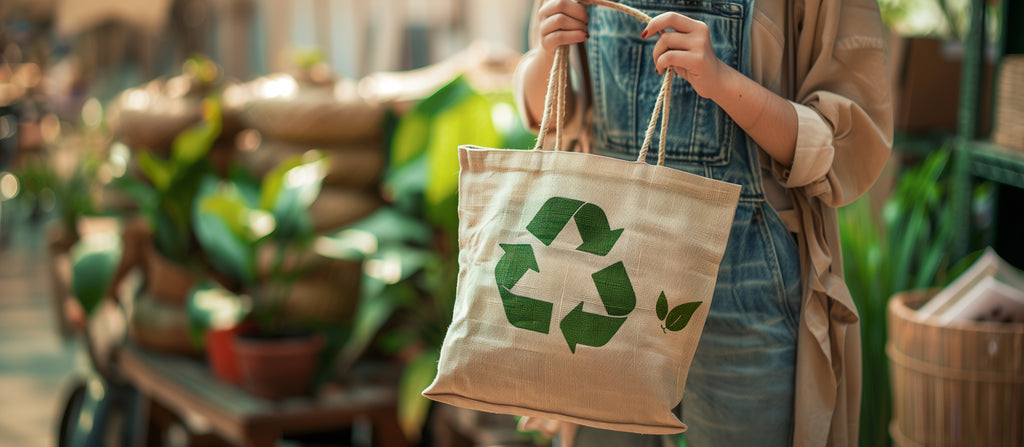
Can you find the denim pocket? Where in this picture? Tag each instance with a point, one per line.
(625, 84)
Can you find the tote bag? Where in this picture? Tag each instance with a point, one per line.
(584, 281)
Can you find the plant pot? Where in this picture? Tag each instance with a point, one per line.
(277, 367)
(221, 353)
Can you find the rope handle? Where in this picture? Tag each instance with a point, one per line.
(559, 79)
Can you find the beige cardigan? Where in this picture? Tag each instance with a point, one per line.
(828, 57)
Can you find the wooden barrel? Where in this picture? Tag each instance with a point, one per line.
(960, 384)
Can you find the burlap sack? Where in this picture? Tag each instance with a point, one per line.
(584, 283)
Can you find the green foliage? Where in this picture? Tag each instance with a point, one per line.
(167, 198)
(71, 192)
(409, 249)
(426, 139)
(946, 18)
(908, 250)
(234, 218)
(412, 407)
(93, 262)
(210, 305)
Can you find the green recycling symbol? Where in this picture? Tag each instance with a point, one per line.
(613, 285)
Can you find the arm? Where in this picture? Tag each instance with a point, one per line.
(768, 118)
(835, 140)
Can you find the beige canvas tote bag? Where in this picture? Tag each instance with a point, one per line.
(584, 280)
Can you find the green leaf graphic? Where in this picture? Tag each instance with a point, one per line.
(662, 308)
(680, 315)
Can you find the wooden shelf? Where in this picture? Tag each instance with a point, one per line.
(187, 388)
(996, 163)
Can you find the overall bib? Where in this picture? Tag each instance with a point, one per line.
(740, 386)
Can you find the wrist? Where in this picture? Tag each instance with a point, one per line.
(728, 85)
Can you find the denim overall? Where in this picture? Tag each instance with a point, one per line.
(740, 387)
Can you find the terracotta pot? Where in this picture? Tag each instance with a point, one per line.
(277, 368)
(221, 354)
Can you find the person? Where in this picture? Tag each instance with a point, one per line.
(789, 99)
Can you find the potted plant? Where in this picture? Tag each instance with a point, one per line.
(161, 242)
(259, 235)
(165, 197)
(409, 249)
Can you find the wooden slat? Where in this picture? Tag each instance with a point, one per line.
(186, 386)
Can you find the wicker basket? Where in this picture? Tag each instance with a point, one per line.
(957, 385)
(1009, 126)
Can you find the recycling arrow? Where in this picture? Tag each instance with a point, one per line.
(584, 328)
(523, 312)
(598, 237)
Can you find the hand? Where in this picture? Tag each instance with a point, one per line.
(562, 22)
(688, 50)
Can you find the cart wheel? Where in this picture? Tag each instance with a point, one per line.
(69, 417)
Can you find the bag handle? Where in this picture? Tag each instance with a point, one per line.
(559, 79)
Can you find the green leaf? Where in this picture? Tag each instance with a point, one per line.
(94, 260)
(662, 306)
(390, 226)
(273, 182)
(290, 189)
(373, 311)
(158, 171)
(409, 140)
(210, 306)
(144, 195)
(405, 185)
(467, 122)
(194, 143)
(679, 316)
(383, 230)
(412, 406)
(229, 247)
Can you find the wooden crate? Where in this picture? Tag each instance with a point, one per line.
(1009, 126)
(956, 385)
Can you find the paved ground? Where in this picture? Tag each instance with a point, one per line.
(34, 362)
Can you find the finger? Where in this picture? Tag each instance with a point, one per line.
(561, 22)
(676, 21)
(674, 41)
(566, 7)
(562, 29)
(682, 60)
(560, 38)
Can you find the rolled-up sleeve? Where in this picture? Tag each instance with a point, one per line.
(843, 101)
(814, 151)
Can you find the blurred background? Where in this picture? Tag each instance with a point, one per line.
(177, 175)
